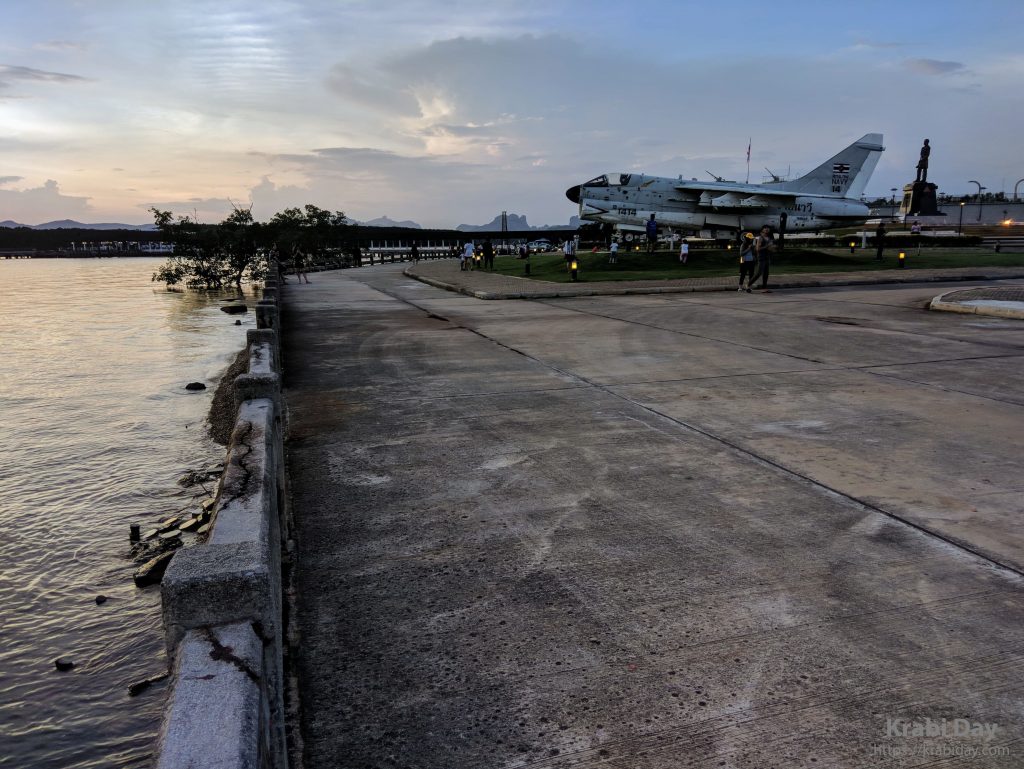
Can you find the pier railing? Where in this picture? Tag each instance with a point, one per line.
(222, 600)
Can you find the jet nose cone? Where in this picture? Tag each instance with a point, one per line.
(573, 193)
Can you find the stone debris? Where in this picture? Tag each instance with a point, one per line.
(63, 664)
(191, 524)
(195, 386)
(234, 309)
(152, 571)
(137, 688)
(100, 600)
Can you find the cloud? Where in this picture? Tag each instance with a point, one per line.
(933, 66)
(25, 205)
(9, 179)
(10, 73)
(61, 46)
(862, 44)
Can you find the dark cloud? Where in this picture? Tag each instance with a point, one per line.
(10, 73)
(933, 66)
(10, 179)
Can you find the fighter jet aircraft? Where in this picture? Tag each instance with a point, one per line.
(829, 196)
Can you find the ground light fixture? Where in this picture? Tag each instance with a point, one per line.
(574, 269)
(853, 246)
(903, 259)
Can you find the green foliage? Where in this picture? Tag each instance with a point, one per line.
(212, 256)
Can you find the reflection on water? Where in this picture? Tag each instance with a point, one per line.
(96, 429)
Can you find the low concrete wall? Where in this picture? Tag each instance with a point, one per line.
(222, 599)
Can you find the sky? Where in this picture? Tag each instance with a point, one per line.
(451, 112)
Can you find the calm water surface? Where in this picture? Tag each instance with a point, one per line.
(96, 428)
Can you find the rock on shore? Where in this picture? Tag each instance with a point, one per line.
(222, 409)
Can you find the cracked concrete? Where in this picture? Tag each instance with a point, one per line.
(651, 532)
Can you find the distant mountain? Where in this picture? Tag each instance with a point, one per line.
(383, 221)
(71, 224)
(516, 223)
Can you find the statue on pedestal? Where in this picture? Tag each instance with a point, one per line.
(919, 197)
(922, 164)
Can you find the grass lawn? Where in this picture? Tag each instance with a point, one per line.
(715, 263)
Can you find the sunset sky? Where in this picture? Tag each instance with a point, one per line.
(451, 112)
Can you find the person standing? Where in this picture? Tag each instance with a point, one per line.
(763, 245)
(879, 241)
(684, 251)
(747, 261)
(415, 253)
(567, 252)
(488, 255)
(299, 265)
(467, 256)
(651, 227)
(613, 252)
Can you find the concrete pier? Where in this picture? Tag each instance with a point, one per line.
(650, 532)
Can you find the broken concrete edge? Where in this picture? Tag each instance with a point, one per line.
(217, 713)
(234, 579)
(639, 290)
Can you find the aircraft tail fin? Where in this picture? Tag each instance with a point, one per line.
(844, 175)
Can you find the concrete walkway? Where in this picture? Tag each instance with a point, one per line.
(488, 285)
(650, 532)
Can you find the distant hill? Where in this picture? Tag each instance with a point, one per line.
(516, 223)
(70, 224)
(383, 221)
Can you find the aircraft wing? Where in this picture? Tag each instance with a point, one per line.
(732, 197)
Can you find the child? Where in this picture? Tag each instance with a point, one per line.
(747, 260)
(684, 251)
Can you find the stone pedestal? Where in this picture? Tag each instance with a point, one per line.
(919, 199)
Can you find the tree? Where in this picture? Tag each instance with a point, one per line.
(314, 231)
(210, 256)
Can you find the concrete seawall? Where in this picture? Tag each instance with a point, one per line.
(222, 599)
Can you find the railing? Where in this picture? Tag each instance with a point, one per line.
(222, 599)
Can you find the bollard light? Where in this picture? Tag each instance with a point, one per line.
(729, 247)
(853, 246)
(903, 259)
(526, 267)
(573, 269)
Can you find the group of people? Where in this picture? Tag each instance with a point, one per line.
(467, 259)
(755, 258)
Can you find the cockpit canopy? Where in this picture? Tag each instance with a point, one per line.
(609, 180)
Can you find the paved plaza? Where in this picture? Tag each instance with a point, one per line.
(655, 531)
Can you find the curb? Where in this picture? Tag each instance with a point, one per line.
(939, 303)
(812, 283)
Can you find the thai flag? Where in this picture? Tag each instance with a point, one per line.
(840, 168)
(748, 148)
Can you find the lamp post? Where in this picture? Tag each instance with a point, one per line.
(893, 214)
(980, 190)
(960, 226)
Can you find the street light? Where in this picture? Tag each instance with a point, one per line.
(960, 226)
(893, 214)
(980, 189)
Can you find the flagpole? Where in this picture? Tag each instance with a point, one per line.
(748, 158)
